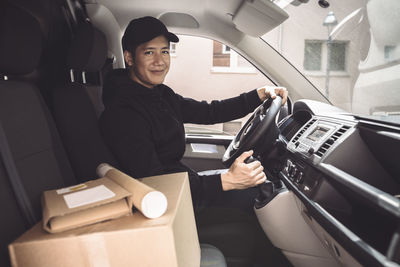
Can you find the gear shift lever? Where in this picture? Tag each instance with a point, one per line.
(266, 189)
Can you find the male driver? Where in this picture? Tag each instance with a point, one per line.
(143, 119)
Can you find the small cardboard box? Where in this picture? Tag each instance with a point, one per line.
(132, 240)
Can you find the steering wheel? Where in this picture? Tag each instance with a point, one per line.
(258, 133)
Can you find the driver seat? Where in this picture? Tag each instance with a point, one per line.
(78, 123)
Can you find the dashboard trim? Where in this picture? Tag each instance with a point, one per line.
(368, 192)
(209, 139)
(360, 250)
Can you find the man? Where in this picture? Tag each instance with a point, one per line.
(143, 119)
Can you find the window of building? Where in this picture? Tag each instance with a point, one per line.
(226, 49)
(337, 59)
(227, 60)
(389, 52)
(316, 56)
(172, 49)
(312, 55)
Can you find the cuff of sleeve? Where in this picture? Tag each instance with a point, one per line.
(253, 100)
(212, 186)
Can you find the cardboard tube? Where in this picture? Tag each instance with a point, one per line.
(147, 200)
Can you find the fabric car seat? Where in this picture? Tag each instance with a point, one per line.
(76, 106)
(31, 139)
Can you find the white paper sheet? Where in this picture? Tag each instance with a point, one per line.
(204, 148)
(88, 196)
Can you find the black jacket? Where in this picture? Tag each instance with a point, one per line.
(144, 128)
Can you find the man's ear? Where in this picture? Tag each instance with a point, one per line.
(128, 58)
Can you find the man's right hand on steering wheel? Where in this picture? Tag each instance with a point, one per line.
(242, 175)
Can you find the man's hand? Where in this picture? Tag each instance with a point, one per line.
(272, 91)
(243, 175)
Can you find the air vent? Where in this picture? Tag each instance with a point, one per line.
(303, 130)
(328, 143)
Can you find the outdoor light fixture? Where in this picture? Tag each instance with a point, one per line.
(330, 20)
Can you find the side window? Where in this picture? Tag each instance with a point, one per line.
(193, 74)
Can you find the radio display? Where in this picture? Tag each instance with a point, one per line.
(317, 133)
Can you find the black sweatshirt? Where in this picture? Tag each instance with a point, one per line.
(144, 129)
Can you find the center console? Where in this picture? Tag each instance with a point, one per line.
(316, 137)
(309, 146)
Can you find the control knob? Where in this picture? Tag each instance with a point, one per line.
(300, 178)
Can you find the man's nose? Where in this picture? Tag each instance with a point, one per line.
(158, 59)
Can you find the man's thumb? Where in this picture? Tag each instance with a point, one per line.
(245, 155)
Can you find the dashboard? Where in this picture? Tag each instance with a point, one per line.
(345, 171)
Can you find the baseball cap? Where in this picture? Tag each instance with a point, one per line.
(144, 29)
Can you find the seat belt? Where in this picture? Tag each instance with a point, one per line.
(15, 181)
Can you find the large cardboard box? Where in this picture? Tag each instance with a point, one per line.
(133, 240)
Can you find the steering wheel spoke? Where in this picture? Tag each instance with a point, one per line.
(260, 126)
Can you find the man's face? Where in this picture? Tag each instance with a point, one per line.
(151, 62)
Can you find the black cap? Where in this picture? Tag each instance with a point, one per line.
(144, 29)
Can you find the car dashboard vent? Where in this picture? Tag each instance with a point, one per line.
(328, 143)
(303, 130)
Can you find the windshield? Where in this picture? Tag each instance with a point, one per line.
(349, 51)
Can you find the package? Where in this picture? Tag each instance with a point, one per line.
(150, 202)
(84, 204)
(106, 198)
(132, 240)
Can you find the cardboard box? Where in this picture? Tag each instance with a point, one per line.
(133, 240)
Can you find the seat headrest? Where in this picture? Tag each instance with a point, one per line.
(88, 51)
(20, 41)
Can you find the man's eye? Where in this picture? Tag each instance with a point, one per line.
(148, 53)
(165, 52)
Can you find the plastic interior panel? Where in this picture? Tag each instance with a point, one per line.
(283, 223)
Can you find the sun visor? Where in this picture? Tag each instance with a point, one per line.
(173, 19)
(257, 17)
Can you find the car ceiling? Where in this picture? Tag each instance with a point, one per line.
(214, 18)
(203, 11)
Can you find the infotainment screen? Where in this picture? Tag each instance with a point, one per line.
(317, 133)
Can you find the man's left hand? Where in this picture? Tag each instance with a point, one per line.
(266, 92)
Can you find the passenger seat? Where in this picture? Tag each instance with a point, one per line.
(34, 147)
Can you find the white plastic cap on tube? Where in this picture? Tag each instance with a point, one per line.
(102, 169)
(154, 204)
